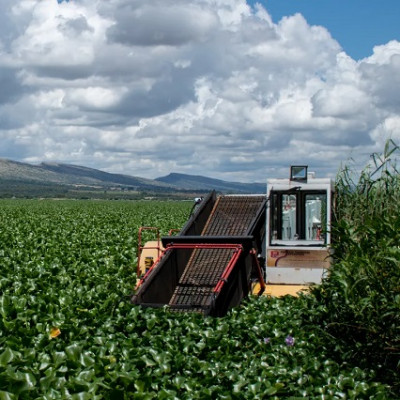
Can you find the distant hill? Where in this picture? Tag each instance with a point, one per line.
(197, 182)
(66, 180)
(83, 175)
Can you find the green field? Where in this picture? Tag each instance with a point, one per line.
(68, 330)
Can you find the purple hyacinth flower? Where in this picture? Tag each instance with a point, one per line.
(289, 340)
(267, 340)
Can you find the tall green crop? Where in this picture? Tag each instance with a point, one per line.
(362, 293)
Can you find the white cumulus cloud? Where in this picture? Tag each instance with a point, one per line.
(194, 86)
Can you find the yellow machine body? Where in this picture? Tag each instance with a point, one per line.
(275, 290)
(149, 255)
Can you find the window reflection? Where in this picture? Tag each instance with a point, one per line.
(289, 231)
(315, 216)
(299, 217)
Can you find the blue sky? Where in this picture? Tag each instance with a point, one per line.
(357, 25)
(202, 87)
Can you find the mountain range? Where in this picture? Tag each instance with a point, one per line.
(19, 179)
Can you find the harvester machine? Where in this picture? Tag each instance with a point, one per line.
(209, 266)
(280, 239)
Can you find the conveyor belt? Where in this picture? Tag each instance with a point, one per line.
(206, 266)
(231, 216)
(201, 275)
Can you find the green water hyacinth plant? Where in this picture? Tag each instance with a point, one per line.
(69, 331)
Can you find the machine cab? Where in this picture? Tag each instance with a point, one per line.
(298, 230)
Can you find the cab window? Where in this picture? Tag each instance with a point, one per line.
(299, 216)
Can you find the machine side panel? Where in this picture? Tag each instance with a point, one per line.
(236, 288)
(300, 258)
(294, 276)
(159, 287)
(198, 219)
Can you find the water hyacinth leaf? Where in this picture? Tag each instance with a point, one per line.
(9, 325)
(47, 381)
(45, 361)
(255, 388)
(82, 396)
(5, 306)
(237, 387)
(52, 394)
(23, 382)
(150, 323)
(162, 368)
(58, 358)
(6, 357)
(86, 359)
(140, 386)
(148, 361)
(165, 394)
(270, 391)
(30, 380)
(73, 352)
(179, 381)
(7, 395)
